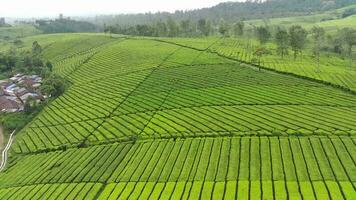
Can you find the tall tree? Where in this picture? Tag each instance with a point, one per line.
(173, 28)
(223, 28)
(36, 48)
(204, 26)
(239, 28)
(349, 38)
(298, 39)
(185, 27)
(282, 41)
(263, 34)
(160, 29)
(318, 35)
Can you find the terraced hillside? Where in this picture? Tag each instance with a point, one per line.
(332, 69)
(145, 119)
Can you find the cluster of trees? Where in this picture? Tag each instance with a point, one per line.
(29, 62)
(296, 39)
(229, 11)
(54, 85)
(185, 28)
(65, 26)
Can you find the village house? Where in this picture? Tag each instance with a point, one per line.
(9, 105)
(2, 21)
(16, 91)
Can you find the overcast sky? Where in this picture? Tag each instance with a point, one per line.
(50, 8)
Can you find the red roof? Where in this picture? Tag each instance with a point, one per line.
(7, 104)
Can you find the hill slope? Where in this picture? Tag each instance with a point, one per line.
(148, 119)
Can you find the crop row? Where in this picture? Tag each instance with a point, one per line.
(179, 101)
(332, 69)
(195, 122)
(66, 46)
(65, 191)
(299, 159)
(122, 58)
(227, 190)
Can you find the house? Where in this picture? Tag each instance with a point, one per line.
(9, 105)
(3, 83)
(26, 96)
(21, 92)
(2, 21)
(10, 90)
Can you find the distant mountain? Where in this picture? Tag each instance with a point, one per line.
(230, 11)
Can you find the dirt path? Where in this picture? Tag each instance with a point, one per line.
(5, 150)
(1, 139)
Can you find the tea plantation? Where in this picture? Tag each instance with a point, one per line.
(185, 119)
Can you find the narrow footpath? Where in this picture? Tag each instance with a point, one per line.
(1, 139)
(6, 149)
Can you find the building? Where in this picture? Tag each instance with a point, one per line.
(2, 21)
(9, 105)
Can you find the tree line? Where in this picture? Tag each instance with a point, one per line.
(296, 39)
(229, 11)
(172, 28)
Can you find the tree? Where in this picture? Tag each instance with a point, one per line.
(239, 28)
(282, 40)
(263, 34)
(318, 35)
(173, 28)
(349, 38)
(161, 29)
(30, 105)
(223, 28)
(334, 44)
(54, 85)
(185, 26)
(298, 39)
(36, 48)
(261, 52)
(144, 30)
(204, 27)
(49, 66)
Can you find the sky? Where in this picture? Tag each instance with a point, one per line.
(51, 8)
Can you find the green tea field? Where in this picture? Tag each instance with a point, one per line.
(148, 118)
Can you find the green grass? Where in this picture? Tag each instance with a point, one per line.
(333, 68)
(330, 20)
(148, 119)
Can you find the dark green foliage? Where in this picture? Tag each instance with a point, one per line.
(282, 41)
(54, 85)
(173, 28)
(298, 39)
(348, 36)
(318, 35)
(204, 27)
(230, 11)
(12, 121)
(12, 63)
(36, 48)
(349, 12)
(263, 34)
(223, 28)
(239, 28)
(65, 26)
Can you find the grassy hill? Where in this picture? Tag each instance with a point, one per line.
(176, 119)
(330, 20)
(9, 34)
(333, 69)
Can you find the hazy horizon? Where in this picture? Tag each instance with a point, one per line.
(45, 8)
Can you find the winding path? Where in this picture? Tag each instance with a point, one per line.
(4, 152)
